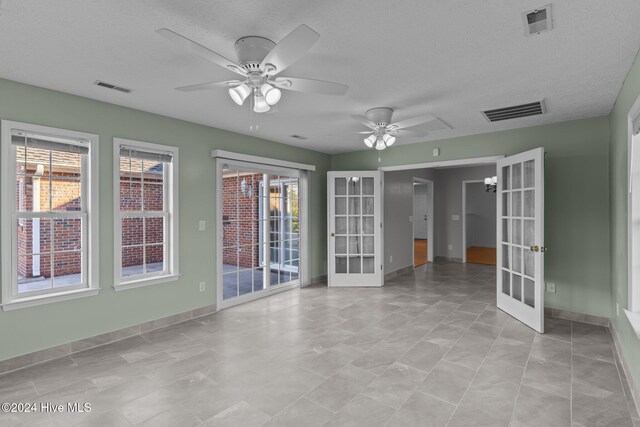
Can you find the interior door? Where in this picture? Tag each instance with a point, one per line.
(520, 257)
(355, 228)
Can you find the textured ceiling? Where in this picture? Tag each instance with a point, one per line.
(451, 59)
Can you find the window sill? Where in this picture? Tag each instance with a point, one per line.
(145, 282)
(634, 320)
(49, 298)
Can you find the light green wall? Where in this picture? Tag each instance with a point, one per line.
(576, 198)
(618, 160)
(26, 330)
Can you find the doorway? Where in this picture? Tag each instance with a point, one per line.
(422, 221)
(478, 223)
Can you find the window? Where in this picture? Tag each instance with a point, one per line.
(146, 213)
(50, 200)
(633, 312)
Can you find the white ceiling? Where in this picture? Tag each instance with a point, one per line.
(451, 59)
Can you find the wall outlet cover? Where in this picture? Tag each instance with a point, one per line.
(450, 247)
(202, 286)
(455, 217)
(202, 225)
(436, 152)
(550, 287)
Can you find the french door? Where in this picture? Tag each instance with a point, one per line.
(355, 228)
(259, 231)
(520, 256)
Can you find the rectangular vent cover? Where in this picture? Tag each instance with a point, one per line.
(112, 86)
(537, 21)
(507, 113)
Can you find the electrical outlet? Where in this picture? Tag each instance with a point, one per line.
(450, 247)
(202, 225)
(391, 259)
(436, 152)
(551, 287)
(202, 286)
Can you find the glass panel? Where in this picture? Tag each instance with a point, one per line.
(354, 264)
(132, 261)
(154, 258)
(505, 231)
(341, 206)
(368, 245)
(341, 225)
(529, 173)
(276, 189)
(230, 259)
(34, 273)
(367, 186)
(229, 285)
(153, 197)
(245, 281)
(368, 264)
(34, 235)
(341, 187)
(154, 230)
(517, 231)
(67, 269)
(353, 186)
(37, 161)
(506, 178)
(132, 231)
(517, 287)
(506, 204)
(66, 164)
(354, 225)
(21, 160)
(341, 265)
(529, 232)
(258, 279)
(355, 245)
(130, 184)
(506, 256)
(354, 205)
(367, 206)
(529, 203)
(529, 292)
(367, 225)
(517, 260)
(341, 245)
(529, 263)
(517, 204)
(517, 176)
(66, 195)
(506, 282)
(32, 194)
(67, 234)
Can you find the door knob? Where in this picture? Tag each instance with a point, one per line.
(535, 248)
(544, 249)
(333, 234)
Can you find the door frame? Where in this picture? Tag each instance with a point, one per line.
(303, 201)
(464, 216)
(430, 236)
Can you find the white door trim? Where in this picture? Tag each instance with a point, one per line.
(464, 216)
(430, 236)
(479, 161)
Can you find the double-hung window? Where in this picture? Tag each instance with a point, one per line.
(146, 213)
(49, 214)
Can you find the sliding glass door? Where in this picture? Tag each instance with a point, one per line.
(259, 220)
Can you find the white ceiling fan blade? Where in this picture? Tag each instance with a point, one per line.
(309, 85)
(409, 133)
(207, 86)
(412, 122)
(291, 48)
(198, 49)
(361, 119)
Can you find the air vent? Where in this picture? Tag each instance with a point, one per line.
(298, 137)
(112, 86)
(507, 113)
(537, 21)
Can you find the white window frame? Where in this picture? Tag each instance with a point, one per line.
(90, 232)
(633, 216)
(171, 251)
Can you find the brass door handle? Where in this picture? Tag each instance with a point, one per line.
(333, 234)
(544, 249)
(534, 248)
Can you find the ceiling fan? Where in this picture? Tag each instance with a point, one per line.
(382, 132)
(259, 61)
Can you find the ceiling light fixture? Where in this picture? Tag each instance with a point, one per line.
(239, 93)
(370, 140)
(260, 105)
(382, 133)
(491, 184)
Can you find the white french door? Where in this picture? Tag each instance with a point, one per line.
(355, 228)
(520, 255)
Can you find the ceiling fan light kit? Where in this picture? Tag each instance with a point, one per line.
(382, 132)
(259, 61)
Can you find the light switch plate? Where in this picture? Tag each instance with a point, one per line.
(202, 225)
(436, 152)
(455, 217)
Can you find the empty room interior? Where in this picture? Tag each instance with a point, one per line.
(415, 213)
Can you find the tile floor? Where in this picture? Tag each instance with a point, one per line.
(428, 349)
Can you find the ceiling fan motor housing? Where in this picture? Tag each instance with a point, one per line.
(251, 50)
(381, 116)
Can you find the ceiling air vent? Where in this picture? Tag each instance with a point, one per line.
(112, 86)
(507, 113)
(298, 137)
(537, 21)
